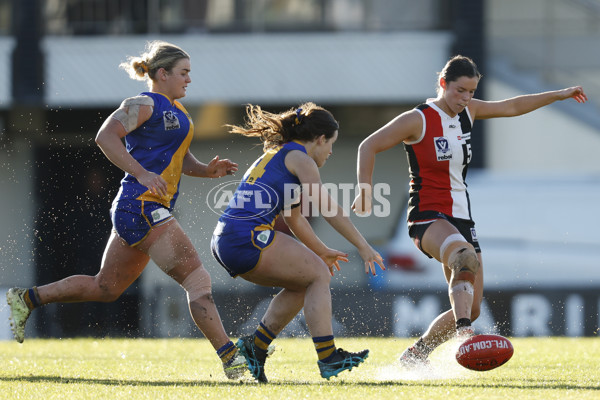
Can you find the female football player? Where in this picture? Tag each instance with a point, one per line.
(158, 131)
(297, 143)
(437, 139)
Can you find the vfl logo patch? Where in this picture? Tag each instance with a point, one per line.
(442, 148)
(263, 237)
(160, 214)
(473, 235)
(171, 121)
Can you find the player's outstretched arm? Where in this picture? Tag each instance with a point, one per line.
(524, 104)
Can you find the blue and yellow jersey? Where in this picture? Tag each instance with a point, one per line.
(266, 188)
(159, 145)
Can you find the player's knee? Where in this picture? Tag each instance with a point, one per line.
(323, 274)
(104, 290)
(464, 263)
(108, 294)
(198, 285)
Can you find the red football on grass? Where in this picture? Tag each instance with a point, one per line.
(484, 352)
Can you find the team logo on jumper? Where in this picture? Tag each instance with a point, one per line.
(473, 235)
(171, 121)
(442, 148)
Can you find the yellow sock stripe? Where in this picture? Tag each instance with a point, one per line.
(324, 345)
(28, 300)
(226, 352)
(263, 337)
(324, 353)
(264, 330)
(261, 344)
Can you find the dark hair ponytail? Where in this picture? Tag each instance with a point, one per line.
(304, 123)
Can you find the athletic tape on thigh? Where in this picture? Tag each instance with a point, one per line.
(197, 284)
(128, 112)
(455, 237)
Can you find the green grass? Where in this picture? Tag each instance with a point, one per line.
(541, 368)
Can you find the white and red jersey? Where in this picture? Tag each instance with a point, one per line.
(438, 163)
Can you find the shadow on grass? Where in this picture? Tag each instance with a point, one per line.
(443, 383)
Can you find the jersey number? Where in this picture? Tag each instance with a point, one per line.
(260, 168)
(467, 151)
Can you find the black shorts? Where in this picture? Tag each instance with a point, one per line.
(466, 227)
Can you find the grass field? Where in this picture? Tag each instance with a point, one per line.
(541, 368)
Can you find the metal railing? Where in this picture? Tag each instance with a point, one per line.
(125, 17)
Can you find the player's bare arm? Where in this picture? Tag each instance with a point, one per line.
(524, 104)
(407, 127)
(216, 168)
(301, 228)
(109, 140)
(307, 172)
